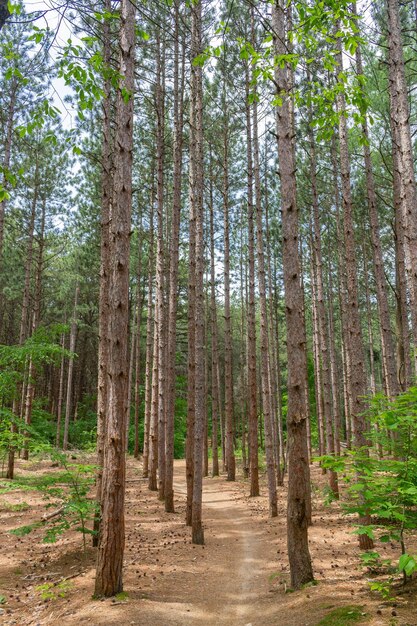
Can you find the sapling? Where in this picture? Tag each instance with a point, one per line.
(67, 492)
(388, 491)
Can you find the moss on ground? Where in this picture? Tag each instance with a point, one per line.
(344, 616)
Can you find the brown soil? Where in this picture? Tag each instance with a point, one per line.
(239, 578)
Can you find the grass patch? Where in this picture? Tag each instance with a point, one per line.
(343, 616)
(123, 595)
(33, 482)
(21, 506)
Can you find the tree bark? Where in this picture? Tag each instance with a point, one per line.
(215, 392)
(297, 413)
(251, 333)
(150, 329)
(109, 573)
(387, 340)
(196, 204)
(60, 395)
(103, 321)
(161, 317)
(6, 163)
(400, 115)
(228, 356)
(324, 360)
(264, 343)
(179, 81)
(70, 374)
(357, 378)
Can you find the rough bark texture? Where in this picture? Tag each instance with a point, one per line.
(298, 467)
(264, 339)
(173, 268)
(264, 345)
(160, 265)
(215, 392)
(252, 387)
(6, 165)
(109, 573)
(387, 340)
(357, 372)
(196, 204)
(153, 422)
(150, 326)
(139, 309)
(228, 357)
(103, 321)
(324, 359)
(403, 330)
(333, 366)
(400, 115)
(60, 395)
(70, 374)
(342, 293)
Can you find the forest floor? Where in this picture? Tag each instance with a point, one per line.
(239, 578)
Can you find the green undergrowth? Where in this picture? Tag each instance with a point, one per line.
(344, 616)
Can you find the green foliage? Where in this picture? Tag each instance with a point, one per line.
(387, 487)
(41, 349)
(382, 587)
(53, 591)
(372, 560)
(67, 491)
(407, 564)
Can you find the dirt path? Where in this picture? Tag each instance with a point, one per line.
(239, 578)
(236, 567)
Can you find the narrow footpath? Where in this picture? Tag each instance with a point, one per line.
(240, 577)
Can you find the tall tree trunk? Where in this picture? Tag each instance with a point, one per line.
(70, 375)
(273, 354)
(60, 395)
(6, 165)
(318, 383)
(342, 296)
(153, 422)
(251, 335)
(264, 343)
(324, 360)
(36, 316)
(400, 116)
(357, 378)
(160, 266)
(196, 204)
(404, 365)
(24, 319)
(150, 329)
(139, 309)
(25, 322)
(103, 321)
(228, 355)
(333, 366)
(109, 573)
(297, 413)
(387, 340)
(403, 332)
(215, 392)
(179, 81)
